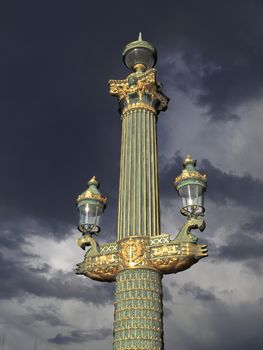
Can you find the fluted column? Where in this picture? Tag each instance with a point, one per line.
(138, 323)
(138, 213)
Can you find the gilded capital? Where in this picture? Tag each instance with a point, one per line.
(139, 88)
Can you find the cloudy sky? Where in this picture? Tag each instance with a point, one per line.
(60, 126)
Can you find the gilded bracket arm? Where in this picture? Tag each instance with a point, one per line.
(160, 253)
(185, 231)
(87, 241)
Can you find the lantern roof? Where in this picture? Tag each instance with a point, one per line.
(137, 44)
(190, 174)
(92, 192)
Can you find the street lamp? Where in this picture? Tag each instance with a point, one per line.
(91, 205)
(141, 255)
(191, 185)
(139, 55)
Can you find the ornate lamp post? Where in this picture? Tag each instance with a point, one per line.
(141, 254)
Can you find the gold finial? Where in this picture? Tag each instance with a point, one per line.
(189, 160)
(93, 181)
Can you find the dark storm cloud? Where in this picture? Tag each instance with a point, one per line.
(245, 244)
(60, 126)
(240, 190)
(219, 45)
(78, 336)
(20, 280)
(197, 292)
(45, 313)
(221, 326)
(52, 140)
(223, 187)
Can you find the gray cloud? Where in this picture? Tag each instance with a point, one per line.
(222, 187)
(197, 292)
(78, 336)
(219, 325)
(241, 190)
(246, 243)
(221, 65)
(45, 313)
(19, 280)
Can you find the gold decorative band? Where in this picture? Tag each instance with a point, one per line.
(138, 105)
(186, 174)
(137, 338)
(137, 318)
(123, 329)
(121, 290)
(138, 298)
(137, 308)
(89, 195)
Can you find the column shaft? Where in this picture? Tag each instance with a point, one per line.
(138, 188)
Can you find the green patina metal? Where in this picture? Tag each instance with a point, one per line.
(138, 195)
(138, 310)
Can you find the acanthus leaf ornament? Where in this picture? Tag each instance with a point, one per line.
(140, 84)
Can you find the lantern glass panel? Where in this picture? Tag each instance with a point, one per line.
(192, 195)
(90, 215)
(139, 55)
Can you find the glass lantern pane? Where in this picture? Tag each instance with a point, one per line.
(139, 55)
(90, 214)
(192, 195)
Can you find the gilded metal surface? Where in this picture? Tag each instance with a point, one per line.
(89, 195)
(139, 67)
(189, 171)
(101, 267)
(161, 239)
(92, 192)
(174, 257)
(86, 241)
(105, 262)
(109, 248)
(132, 252)
(142, 83)
(190, 175)
(189, 160)
(185, 234)
(137, 105)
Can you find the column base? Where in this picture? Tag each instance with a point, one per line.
(138, 323)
